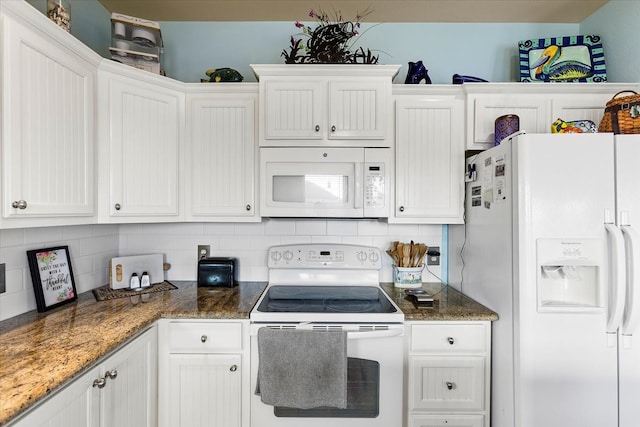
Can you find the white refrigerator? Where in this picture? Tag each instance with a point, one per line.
(551, 243)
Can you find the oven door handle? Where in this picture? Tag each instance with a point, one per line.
(374, 334)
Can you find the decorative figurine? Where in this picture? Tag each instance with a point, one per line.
(458, 79)
(416, 73)
(222, 75)
(576, 126)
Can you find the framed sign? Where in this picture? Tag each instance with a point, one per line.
(52, 277)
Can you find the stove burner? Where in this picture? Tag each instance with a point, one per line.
(352, 305)
(285, 305)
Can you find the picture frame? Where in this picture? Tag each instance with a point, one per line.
(577, 58)
(52, 277)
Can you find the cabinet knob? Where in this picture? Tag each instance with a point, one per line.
(450, 385)
(248, 207)
(100, 383)
(203, 338)
(333, 128)
(451, 340)
(117, 206)
(20, 204)
(317, 128)
(401, 209)
(233, 368)
(111, 375)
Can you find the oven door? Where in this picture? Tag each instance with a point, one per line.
(375, 372)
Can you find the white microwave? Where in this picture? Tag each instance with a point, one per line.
(325, 182)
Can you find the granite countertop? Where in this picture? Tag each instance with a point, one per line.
(41, 352)
(448, 304)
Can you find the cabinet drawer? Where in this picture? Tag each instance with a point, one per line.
(204, 337)
(454, 338)
(446, 420)
(447, 383)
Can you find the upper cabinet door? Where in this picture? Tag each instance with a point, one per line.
(48, 127)
(144, 148)
(429, 185)
(222, 151)
(532, 110)
(294, 110)
(359, 109)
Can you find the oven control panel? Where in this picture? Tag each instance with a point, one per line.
(325, 255)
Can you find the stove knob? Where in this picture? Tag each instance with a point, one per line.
(374, 257)
(276, 256)
(287, 255)
(362, 256)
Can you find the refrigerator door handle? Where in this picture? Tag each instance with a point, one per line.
(618, 279)
(631, 318)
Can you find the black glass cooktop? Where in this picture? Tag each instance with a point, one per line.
(325, 299)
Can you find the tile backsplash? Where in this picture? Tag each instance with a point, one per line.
(248, 242)
(92, 246)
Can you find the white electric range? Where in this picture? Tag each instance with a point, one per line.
(335, 287)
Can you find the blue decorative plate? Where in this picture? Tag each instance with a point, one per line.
(562, 59)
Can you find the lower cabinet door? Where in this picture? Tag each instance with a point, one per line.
(204, 390)
(446, 420)
(77, 405)
(129, 397)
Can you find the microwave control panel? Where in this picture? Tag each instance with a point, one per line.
(374, 185)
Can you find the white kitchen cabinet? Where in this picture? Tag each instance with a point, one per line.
(48, 108)
(141, 128)
(222, 153)
(448, 374)
(311, 105)
(532, 111)
(204, 375)
(119, 392)
(429, 162)
(536, 105)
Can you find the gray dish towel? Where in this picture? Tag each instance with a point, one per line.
(302, 369)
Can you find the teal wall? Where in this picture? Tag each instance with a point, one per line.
(90, 23)
(619, 24)
(487, 50)
(484, 50)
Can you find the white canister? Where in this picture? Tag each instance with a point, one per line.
(407, 277)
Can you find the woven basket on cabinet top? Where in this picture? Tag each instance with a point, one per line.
(622, 115)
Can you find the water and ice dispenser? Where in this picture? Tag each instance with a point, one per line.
(569, 274)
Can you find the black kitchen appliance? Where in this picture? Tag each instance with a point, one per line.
(217, 271)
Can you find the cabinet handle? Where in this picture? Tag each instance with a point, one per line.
(248, 207)
(450, 385)
(20, 204)
(100, 383)
(317, 128)
(451, 340)
(111, 375)
(117, 206)
(401, 209)
(333, 128)
(233, 368)
(203, 338)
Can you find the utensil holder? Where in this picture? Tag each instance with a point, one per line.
(407, 277)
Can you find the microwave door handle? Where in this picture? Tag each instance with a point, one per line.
(359, 196)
